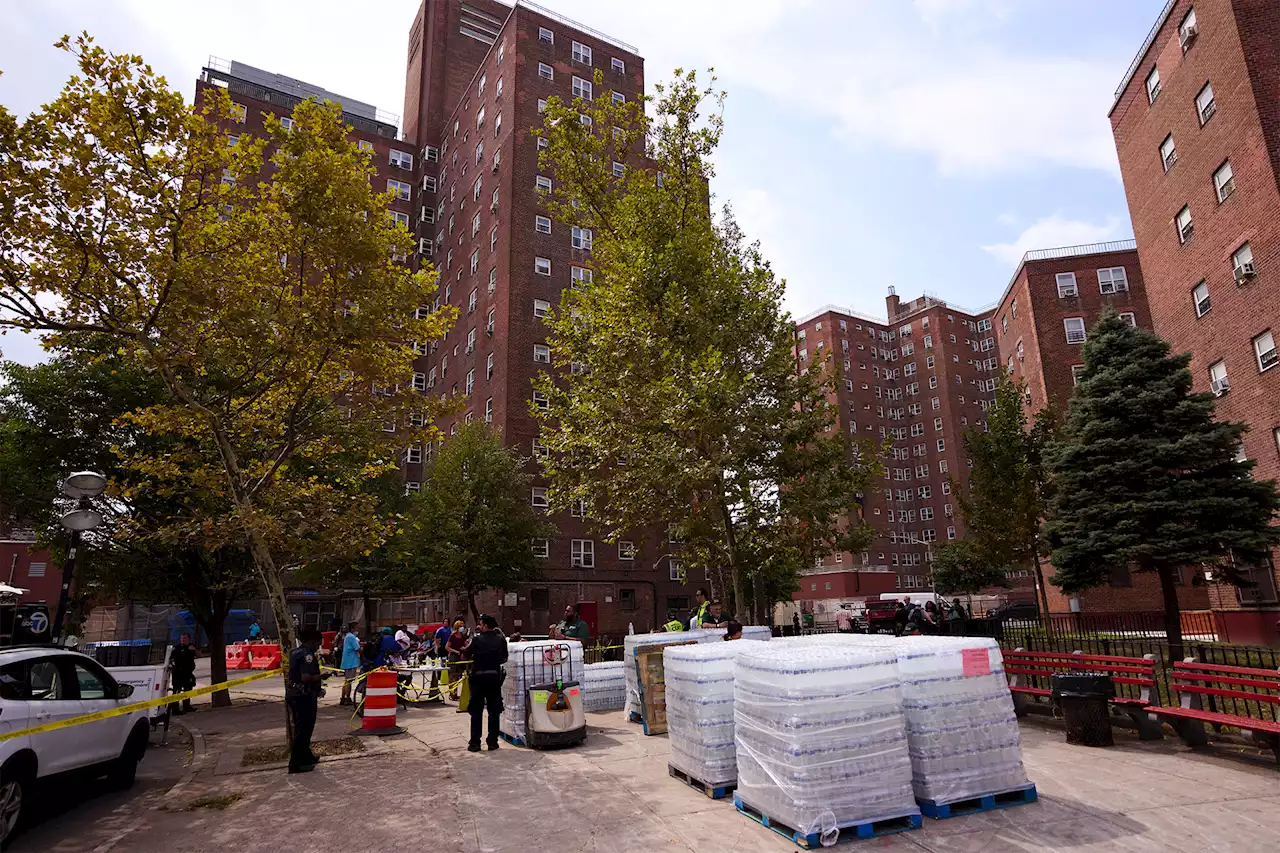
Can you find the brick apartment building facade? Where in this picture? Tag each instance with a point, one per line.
(918, 379)
(1041, 323)
(465, 169)
(1197, 129)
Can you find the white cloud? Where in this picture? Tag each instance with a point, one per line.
(1054, 231)
(937, 13)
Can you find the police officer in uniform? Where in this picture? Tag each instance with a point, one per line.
(488, 654)
(302, 692)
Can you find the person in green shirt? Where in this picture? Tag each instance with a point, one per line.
(572, 627)
(716, 617)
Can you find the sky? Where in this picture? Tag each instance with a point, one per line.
(919, 144)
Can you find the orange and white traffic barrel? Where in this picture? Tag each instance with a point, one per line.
(380, 703)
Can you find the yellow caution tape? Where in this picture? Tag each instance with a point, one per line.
(138, 706)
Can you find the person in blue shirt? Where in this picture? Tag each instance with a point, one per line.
(350, 662)
(255, 630)
(438, 652)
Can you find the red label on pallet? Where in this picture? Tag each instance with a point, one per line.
(976, 661)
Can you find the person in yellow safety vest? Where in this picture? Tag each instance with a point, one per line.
(701, 604)
(673, 624)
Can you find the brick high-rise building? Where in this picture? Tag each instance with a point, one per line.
(1197, 127)
(478, 74)
(919, 378)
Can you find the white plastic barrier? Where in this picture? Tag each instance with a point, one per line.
(604, 686)
(820, 737)
(534, 662)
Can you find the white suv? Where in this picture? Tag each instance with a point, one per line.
(45, 684)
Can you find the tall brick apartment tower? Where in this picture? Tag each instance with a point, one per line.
(919, 378)
(1197, 128)
(478, 73)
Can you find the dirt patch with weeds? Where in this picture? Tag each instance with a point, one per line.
(219, 802)
(280, 752)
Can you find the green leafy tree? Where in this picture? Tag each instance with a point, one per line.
(677, 401)
(958, 568)
(1144, 476)
(276, 314)
(471, 527)
(1002, 502)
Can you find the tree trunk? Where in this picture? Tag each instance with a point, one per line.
(1172, 613)
(471, 605)
(217, 662)
(279, 608)
(368, 620)
(758, 604)
(1042, 594)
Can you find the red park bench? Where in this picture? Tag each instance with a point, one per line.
(1225, 687)
(1030, 674)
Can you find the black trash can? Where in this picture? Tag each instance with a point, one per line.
(1083, 699)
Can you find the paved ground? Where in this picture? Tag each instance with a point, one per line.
(423, 791)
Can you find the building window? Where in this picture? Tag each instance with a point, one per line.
(626, 551)
(581, 88)
(1264, 346)
(1075, 329)
(538, 497)
(578, 509)
(619, 170)
(1066, 287)
(412, 487)
(542, 353)
(419, 381)
(546, 35)
(542, 266)
(542, 224)
(493, 279)
(399, 218)
(541, 308)
(1224, 182)
(951, 533)
(579, 276)
(1112, 280)
(546, 72)
(618, 65)
(1129, 319)
(1188, 30)
(400, 188)
(581, 53)
(583, 554)
(401, 159)
(542, 184)
(541, 402)
(581, 238)
(1242, 264)
(488, 366)
(1168, 153)
(1153, 85)
(583, 118)
(676, 571)
(542, 108)
(1200, 296)
(1218, 378)
(1077, 371)
(240, 113)
(1205, 105)
(541, 548)
(364, 145)
(1184, 225)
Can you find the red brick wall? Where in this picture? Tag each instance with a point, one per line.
(847, 584)
(16, 559)
(1235, 51)
(1143, 595)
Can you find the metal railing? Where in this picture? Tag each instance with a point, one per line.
(1085, 249)
(556, 16)
(1142, 51)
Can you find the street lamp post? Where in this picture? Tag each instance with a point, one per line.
(83, 486)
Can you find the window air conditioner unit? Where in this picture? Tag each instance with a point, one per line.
(1188, 36)
(1220, 387)
(488, 330)
(1170, 160)
(493, 207)
(1244, 272)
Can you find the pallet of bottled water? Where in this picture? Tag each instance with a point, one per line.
(535, 662)
(961, 726)
(604, 686)
(633, 642)
(821, 741)
(699, 687)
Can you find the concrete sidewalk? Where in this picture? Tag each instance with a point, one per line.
(423, 791)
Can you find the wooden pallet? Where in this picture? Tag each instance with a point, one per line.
(513, 740)
(715, 792)
(634, 717)
(847, 832)
(981, 803)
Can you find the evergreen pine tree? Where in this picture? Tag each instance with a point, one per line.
(1144, 477)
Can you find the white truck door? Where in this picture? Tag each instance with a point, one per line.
(14, 707)
(106, 738)
(52, 701)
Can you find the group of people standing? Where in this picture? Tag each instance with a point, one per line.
(911, 618)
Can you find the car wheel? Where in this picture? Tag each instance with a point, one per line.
(13, 792)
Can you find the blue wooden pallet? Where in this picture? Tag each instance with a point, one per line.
(981, 803)
(633, 717)
(715, 792)
(848, 832)
(514, 741)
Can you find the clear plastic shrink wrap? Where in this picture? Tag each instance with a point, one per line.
(534, 662)
(699, 689)
(631, 642)
(820, 737)
(604, 686)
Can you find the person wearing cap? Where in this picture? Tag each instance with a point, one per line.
(716, 617)
(302, 694)
(733, 631)
(673, 624)
(488, 654)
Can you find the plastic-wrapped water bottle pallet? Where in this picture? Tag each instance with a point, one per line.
(514, 740)
(847, 832)
(981, 803)
(715, 792)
